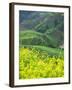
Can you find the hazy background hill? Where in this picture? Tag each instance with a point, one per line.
(41, 28)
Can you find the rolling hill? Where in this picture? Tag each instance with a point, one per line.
(41, 28)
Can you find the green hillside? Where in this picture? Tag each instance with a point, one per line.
(42, 28)
(30, 37)
(41, 35)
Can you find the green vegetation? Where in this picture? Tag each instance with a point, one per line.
(30, 37)
(49, 24)
(40, 37)
(57, 52)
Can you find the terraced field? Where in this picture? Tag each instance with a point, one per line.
(40, 37)
(37, 59)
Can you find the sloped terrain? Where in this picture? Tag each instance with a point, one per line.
(41, 38)
(47, 28)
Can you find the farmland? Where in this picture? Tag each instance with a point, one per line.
(39, 64)
(40, 37)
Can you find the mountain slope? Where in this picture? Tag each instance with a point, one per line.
(41, 28)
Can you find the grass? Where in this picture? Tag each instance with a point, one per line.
(36, 63)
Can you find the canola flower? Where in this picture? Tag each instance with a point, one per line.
(35, 64)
